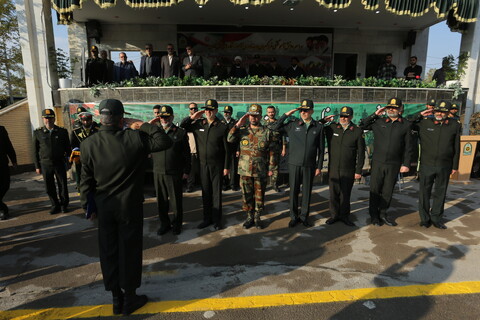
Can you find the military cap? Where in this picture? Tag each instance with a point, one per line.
(228, 109)
(454, 106)
(443, 106)
(210, 104)
(394, 103)
(346, 111)
(112, 107)
(166, 111)
(255, 109)
(431, 102)
(81, 109)
(82, 115)
(48, 113)
(306, 104)
(93, 48)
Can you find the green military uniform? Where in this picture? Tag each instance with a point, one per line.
(276, 147)
(392, 149)
(306, 149)
(231, 181)
(78, 135)
(113, 174)
(50, 150)
(168, 167)
(256, 159)
(440, 153)
(346, 156)
(213, 152)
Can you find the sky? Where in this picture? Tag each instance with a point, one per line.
(441, 43)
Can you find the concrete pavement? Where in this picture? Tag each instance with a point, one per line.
(52, 261)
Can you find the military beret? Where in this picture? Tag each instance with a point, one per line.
(48, 113)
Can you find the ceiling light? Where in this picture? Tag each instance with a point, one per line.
(291, 9)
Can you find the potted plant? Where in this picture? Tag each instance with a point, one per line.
(65, 68)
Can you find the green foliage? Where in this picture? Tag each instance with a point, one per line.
(455, 69)
(64, 67)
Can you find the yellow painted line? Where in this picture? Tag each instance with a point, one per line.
(276, 300)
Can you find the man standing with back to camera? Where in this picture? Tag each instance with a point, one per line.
(113, 171)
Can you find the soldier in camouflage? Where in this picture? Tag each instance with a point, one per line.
(277, 145)
(256, 162)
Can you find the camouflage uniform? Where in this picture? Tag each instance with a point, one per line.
(276, 147)
(256, 159)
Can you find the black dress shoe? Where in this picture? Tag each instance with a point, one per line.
(376, 222)
(425, 224)
(54, 210)
(226, 188)
(348, 222)
(189, 190)
(204, 224)
(64, 209)
(163, 229)
(389, 222)
(118, 304)
(217, 226)
(236, 189)
(439, 225)
(132, 303)
(307, 223)
(293, 223)
(176, 230)
(331, 221)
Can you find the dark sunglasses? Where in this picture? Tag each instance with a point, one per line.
(193, 108)
(304, 110)
(344, 116)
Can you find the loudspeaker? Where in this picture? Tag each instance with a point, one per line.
(411, 37)
(94, 30)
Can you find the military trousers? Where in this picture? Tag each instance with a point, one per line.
(211, 180)
(58, 173)
(169, 192)
(274, 177)
(429, 176)
(383, 178)
(253, 193)
(232, 179)
(340, 185)
(300, 176)
(194, 172)
(4, 186)
(120, 248)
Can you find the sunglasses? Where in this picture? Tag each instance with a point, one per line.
(164, 117)
(193, 108)
(304, 110)
(344, 116)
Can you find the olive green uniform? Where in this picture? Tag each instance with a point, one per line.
(51, 150)
(276, 147)
(256, 159)
(440, 153)
(346, 156)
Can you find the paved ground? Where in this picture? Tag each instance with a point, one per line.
(49, 264)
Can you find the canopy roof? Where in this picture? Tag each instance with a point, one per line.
(458, 11)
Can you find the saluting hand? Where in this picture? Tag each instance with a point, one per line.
(289, 113)
(241, 122)
(133, 123)
(329, 118)
(404, 169)
(380, 111)
(154, 120)
(426, 112)
(197, 115)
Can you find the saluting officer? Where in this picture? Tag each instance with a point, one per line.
(170, 167)
(276, 146)
(51, 147)
(256, 162)
(392, 154)
(453, 112)
(440, 153)
(305, 158)
(346, 156)
(212, 146)
(79, 134)
(231, 181)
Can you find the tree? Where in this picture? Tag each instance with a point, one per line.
(12, 78)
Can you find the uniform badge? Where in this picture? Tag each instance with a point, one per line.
(344, 109)
(164, 109)
(262, 144)
(244, 142)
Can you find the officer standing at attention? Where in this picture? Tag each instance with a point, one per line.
(231, 181)
(276, 146)
(87, 128)
(453, 112)
(195, 162)
(212, 146)
(392, 154)
(346, 156)
(305, 158)
(115, 184)
(6, 152)
(95, 68)
(51, 149)
(440, 154)
(255, 163)
(170, 167)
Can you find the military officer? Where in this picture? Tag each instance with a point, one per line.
(305, 158)
(453, 112)
(276, 146)
(346, 156)
(192, 179)
(78, 122)
(95, 68)
(87, 128)
(170, 168)
(231, 181)
(113, 171)
(51, 150)
(256, 162)
(440, 153)
(212, 146)
(392, 154)
(6, 152)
